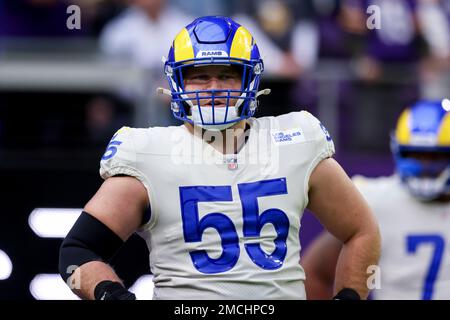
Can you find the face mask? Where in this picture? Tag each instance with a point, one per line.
(428, 189)
(219, 116)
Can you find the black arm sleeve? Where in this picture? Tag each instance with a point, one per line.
(88, 240)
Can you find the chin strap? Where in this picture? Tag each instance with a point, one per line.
(165, 91)
(263, 92)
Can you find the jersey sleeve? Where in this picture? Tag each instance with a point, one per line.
(318, 135)
(321, 145)
(120, 156)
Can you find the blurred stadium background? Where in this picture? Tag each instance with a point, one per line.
(64, 92)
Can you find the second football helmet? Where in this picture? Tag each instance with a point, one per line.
(421, 148)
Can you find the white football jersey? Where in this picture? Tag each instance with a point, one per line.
(224, 227)
(415, 253)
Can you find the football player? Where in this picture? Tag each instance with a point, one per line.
(413, 210)
(219, 199)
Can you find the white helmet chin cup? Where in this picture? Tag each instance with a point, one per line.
(428, 189)
(203, 117)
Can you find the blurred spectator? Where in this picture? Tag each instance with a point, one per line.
(330, 89)
(100, 121)
(336, 37)
(142, 34)
(97, 13)
(434, 18)
(35, 18)
(398, 40)
(48, 18)
(387, 66)
(290, 44)
(199, 8)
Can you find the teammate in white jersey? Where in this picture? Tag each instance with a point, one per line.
(413, 210)
(226, 191)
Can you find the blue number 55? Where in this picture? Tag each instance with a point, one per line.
(193, 227)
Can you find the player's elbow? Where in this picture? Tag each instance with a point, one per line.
(371, 230)
(88, 240)
(364, 225)
(375, 236)
(367, 236)
(73, 253)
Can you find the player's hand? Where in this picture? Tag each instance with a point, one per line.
(110, 290)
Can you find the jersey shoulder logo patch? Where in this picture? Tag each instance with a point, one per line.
(290, 136)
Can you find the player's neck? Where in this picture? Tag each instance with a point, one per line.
(226, 141)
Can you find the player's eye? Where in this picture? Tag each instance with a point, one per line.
(199, 78)
(226, 76)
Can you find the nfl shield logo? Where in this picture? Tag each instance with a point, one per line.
(232, 163)
(232, 166)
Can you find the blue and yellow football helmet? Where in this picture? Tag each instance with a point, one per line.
(421, 148)
(214, 40)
